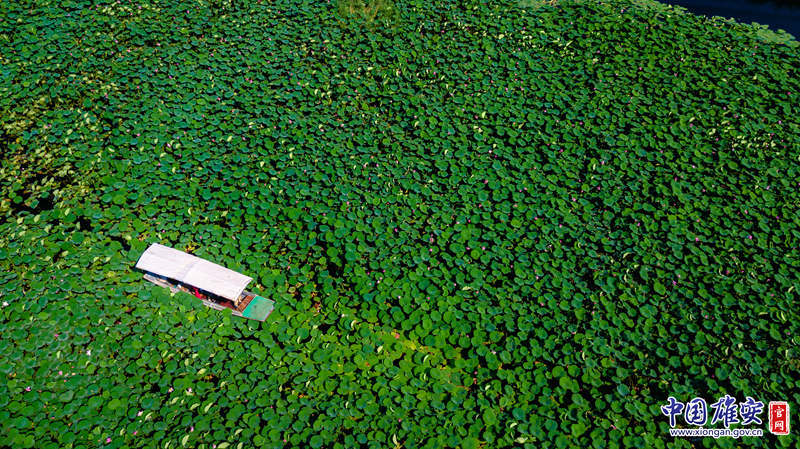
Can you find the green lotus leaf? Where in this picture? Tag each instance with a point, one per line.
(512, 223)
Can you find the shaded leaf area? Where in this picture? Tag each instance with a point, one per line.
(517, 226)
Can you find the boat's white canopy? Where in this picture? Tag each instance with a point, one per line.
(193, 271)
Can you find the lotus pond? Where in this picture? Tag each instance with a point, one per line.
(484, 225)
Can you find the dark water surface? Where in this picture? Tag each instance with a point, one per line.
(778, 14)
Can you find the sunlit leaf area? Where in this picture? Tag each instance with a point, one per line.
(483, 224)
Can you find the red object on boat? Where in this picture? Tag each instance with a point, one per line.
(197, 293)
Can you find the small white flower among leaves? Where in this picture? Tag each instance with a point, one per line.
(88, 352)
(5, 303)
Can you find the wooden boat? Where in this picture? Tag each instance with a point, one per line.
(216, 286)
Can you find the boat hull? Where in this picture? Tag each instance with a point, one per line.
(258, 308)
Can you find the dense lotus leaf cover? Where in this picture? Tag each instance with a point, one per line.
(483, 225)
